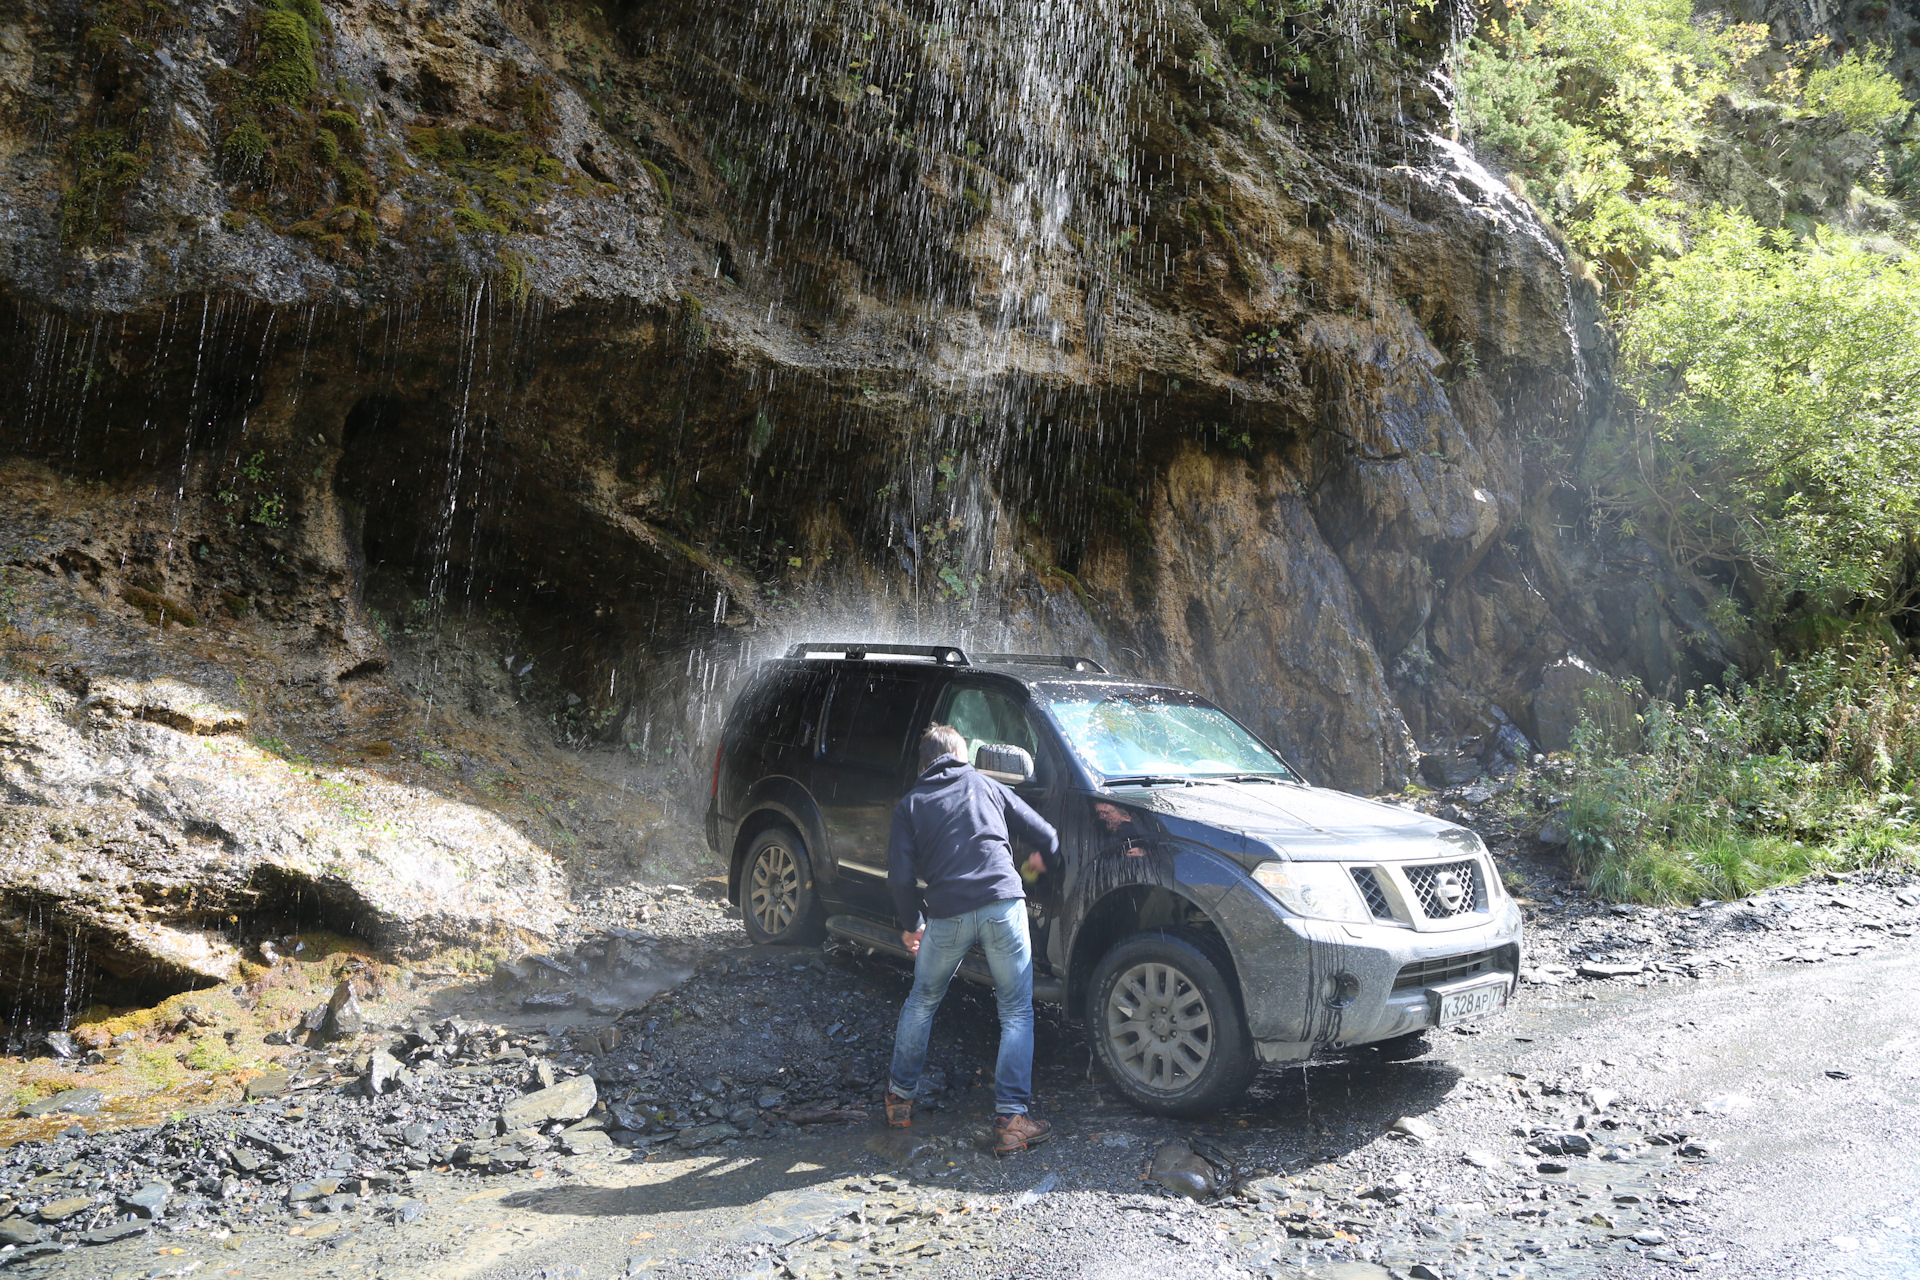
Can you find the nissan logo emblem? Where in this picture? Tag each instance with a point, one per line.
(1452, 892)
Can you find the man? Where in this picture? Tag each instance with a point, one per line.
(1121, 833)
(955, 830)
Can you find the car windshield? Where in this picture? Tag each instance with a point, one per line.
(1150, 733)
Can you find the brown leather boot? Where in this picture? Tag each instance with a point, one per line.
(1017, 1133)
(899, 1111)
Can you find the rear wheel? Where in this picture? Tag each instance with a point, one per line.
(777, 899)
(1167, 1028)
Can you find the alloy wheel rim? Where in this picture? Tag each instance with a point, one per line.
(775, 894)
(1159, 1028)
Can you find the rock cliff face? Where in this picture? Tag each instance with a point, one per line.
(544, 363)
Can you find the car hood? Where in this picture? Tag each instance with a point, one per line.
(1259, 819)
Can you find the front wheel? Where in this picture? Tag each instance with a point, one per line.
(777, 899)
(1167, 1027)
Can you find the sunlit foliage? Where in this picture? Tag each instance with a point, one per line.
(1783, 381)
(1591, 102)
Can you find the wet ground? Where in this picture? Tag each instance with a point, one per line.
(1759, 1124)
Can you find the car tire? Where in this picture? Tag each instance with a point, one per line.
(778, 901)
(1165, 1022)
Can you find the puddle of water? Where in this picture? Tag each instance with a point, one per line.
(117, 1111)
(899, 1147)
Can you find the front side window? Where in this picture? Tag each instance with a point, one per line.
(1160, 733)
(987, 717)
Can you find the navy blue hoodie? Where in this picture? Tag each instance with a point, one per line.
(952, 830)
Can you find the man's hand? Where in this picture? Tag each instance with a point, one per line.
(1036, 864)
(912, 941)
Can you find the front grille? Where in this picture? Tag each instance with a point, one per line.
(1428, 973)
(1431, 884)
(1376, 896)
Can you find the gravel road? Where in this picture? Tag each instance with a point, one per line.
(1755, 1121)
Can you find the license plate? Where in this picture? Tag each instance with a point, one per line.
(1467, 1003)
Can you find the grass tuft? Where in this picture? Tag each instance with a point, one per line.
(1752, 785)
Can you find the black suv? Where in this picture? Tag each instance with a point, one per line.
(1213, 909)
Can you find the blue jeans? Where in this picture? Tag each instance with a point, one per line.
(1001, 930)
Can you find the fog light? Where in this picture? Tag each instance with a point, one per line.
(1342, 990)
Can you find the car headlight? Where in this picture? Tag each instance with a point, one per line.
(1316, 890)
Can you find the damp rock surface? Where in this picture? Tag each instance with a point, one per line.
(1248, 418)
(145, 843)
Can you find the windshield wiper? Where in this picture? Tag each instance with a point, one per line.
(1246, 777)
(1148, 780)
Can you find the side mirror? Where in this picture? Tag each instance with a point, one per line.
(1002, 763)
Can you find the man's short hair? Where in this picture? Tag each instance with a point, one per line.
(941, 740)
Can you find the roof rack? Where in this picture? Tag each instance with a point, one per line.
(1069, 661)
(854, 651)
(944, 654)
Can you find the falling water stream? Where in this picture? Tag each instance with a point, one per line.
(1036, 96)
(981, 165)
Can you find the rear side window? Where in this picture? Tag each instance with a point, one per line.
(782, 707)
(870, 717)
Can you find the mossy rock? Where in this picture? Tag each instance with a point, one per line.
(343, 125)
(246, 144)
(290, 70)
(106, 165)
(158, 609)
(659, 177)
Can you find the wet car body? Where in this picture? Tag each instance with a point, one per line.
(1291, 968)
(1287, 918)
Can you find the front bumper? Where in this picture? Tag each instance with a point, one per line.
(1293, 972)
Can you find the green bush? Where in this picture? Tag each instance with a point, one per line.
(1510, 99)
(1753, 785)
(1780, 384)
(1592, 102)
(1859, 89)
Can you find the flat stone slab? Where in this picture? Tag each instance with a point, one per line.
(114, 1234)
(782, 1219)
(61, 1210)
(72, 1102)
(268, 1084)
(1594, 970)
(570, 1099)
(587, 1140)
